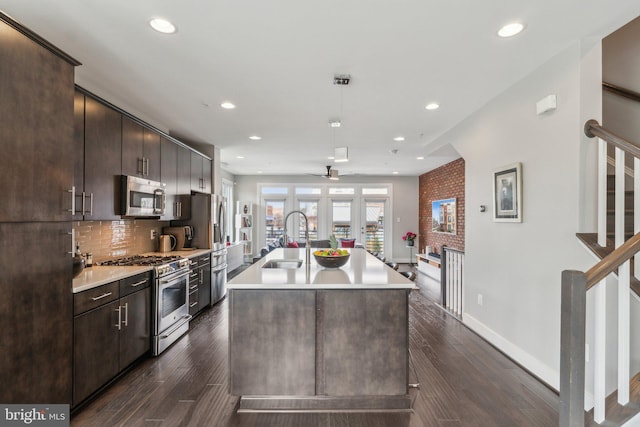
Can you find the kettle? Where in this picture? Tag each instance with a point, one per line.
(167, 243)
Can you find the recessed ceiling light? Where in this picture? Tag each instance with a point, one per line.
(396, 172)
(162, 26)
(510, 30)
(259, 171)
(399, 138)
(432, 106)
(255, 138)
(239, 157)
(420, 158)
(228, 105)
(330, 157)
(335, 123)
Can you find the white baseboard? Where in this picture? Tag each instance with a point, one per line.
(541, 370)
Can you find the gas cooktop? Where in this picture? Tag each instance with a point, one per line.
(163, 265)
(152, 260)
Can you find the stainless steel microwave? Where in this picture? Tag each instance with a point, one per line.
(142, 197)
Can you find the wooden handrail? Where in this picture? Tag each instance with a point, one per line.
(592, 129)
(612, 261)
(629, 94)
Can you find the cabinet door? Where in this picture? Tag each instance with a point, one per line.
(135, 335)
(102, 143)
(204, 289)
(78, 144)
(169, 176)
(36, 107)
(95, 349)
(36, 311)
(152, 155)
(184, 182)
(206, 175)
(132, 148)
(197, 183)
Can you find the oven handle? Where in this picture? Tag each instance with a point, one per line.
(174, 279)
(185, 318)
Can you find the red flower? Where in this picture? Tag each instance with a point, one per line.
(409, 236)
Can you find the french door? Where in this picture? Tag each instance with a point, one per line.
(373, 232)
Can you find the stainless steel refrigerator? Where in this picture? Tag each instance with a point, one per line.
(208, 218)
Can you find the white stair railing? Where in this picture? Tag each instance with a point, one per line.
(575, 285)
(452, 269)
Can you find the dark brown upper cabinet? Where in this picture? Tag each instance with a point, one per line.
(177, 204)
(140, 150)
(200, 173)
(36, 107)
(102, 160)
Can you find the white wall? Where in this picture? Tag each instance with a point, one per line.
(517, 266)
(404, 205)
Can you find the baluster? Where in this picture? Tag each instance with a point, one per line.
(602, 193)
(599, 351)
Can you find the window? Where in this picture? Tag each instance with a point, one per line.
(275, 190)
(273, 220)
(342, 190)
(227, 193)
(375, 190)
(341, 218)
(310, 209)
(309, 190)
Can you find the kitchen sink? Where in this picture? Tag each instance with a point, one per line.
(283, 263)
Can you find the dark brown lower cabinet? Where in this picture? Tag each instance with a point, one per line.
(110, 332)
(36, 312)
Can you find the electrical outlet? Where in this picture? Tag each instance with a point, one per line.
(154, 234)
(480, 299)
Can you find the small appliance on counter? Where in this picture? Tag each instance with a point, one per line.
(183, 235)
(167, 243)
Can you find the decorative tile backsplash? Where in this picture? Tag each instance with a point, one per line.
(112, 239)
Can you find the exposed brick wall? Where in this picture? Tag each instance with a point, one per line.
(445, 182)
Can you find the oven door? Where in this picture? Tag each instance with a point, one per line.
(172, 305)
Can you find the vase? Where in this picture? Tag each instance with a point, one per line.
(409, 242)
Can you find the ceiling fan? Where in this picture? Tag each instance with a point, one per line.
(331, 173)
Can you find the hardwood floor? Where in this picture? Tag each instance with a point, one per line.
(463, 382)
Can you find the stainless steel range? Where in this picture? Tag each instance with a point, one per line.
(170, 304)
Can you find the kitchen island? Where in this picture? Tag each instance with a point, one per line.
(315, 339)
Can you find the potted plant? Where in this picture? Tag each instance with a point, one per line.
(410, 237)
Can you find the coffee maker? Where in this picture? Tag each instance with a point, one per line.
(183, 235)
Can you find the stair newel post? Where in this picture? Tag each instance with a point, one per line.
(572, 348)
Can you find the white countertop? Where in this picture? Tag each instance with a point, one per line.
(362, 271)
(99, 275)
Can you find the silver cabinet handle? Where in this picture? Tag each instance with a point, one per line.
(84, 196)
(73, 200)
(101, 296)
(201, 276)
(139, 283)
(147, 161)
(126, 314)
(180, 209)
(193, 287)
(70, 233)
(140, 166)
(119, 317)
(193, 305)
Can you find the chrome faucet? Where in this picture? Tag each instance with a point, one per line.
(307, 243)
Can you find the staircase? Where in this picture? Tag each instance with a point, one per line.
(616, 243)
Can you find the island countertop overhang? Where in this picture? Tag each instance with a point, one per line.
(362, 271)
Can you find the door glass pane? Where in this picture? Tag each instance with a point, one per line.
(273, 220)
(341, 219)
(342, 190)
(374, 212)
(310, 209)
(308, 190)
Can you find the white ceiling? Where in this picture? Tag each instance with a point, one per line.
(275, 59)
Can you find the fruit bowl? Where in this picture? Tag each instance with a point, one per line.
(332, 258)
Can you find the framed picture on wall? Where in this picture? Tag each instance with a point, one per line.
(507, 194)
(443, 216)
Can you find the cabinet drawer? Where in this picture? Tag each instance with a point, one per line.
(193, 262)
(204, 261)
(194, 283)
(135, 283)
(88, 300)
(193, 302)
